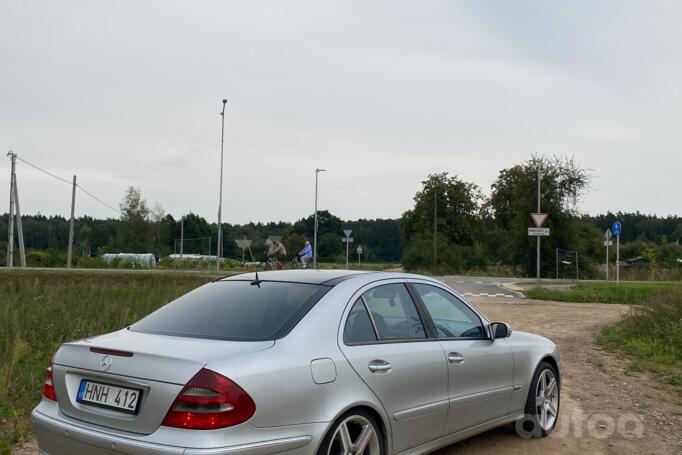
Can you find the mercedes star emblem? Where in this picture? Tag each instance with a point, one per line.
(105, 363)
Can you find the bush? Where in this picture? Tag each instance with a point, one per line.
(419, 255)
(652, 333)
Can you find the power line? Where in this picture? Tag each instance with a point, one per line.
(70, 184)
(97, 199)
(44, 171)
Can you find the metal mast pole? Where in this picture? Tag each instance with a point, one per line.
(20, 229)
(219, 248)
(10, 225)
(538, 241)
(182, 234)
(607, 258)
(317, 172)
(577, 267)
(347, 250)
(69, 254)
(435, 225)
(618, 260)
(557, 263)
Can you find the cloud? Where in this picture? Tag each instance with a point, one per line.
(380, 93)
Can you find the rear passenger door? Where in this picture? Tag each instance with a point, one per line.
(385, 341)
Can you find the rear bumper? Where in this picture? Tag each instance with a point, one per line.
(56, 436)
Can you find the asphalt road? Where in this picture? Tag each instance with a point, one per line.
(482, 286)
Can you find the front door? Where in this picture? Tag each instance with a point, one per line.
(385, 342)
(481, 370)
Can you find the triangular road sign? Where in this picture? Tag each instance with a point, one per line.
(347, 232)
(539, 218)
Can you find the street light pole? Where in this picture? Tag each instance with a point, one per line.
(317, 172)
(219, 249)
(435, 226)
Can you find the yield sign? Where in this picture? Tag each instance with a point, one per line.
(348, 232)
(539, 218)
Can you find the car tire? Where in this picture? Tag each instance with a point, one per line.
(354, 428)
(542, 405)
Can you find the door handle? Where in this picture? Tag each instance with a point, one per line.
(455, 357)
(379, 366)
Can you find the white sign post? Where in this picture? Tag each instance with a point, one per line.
(244, 244)
(359, 251)
(615, 229)
(607, 244)
(348, 240)
(538, 231)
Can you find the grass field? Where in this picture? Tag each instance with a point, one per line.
(41, 309)
(627, 293)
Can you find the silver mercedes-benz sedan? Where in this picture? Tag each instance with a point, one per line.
(303, 362)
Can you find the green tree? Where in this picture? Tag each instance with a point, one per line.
(134, 230)
(514, 197)
(458, 217)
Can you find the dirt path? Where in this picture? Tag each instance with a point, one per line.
(603, 410)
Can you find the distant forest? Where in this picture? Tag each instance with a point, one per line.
(473, 231)
(381, 239)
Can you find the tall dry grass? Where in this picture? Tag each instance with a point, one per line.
(41, 309)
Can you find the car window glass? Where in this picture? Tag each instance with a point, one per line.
(452, 318)
(394, 312)
(234, 310)
(358, 325)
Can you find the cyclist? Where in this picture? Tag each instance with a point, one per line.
(278, 253)
(306, 254)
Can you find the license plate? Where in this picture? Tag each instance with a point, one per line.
(109, 396)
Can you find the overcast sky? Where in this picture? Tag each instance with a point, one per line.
(380, 93)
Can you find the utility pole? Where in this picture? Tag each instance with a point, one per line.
(69, 254)
(10, 226)
(435, 225)
(538, 241)
(219, 248)
(20, 229)
(557, 263)
(182, 234)
(317, 172)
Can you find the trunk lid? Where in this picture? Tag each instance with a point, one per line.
(158, 368)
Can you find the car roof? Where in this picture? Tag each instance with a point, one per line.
(324, 277)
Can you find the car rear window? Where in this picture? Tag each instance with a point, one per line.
(235, 310)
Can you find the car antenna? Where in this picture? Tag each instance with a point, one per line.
(257, 281)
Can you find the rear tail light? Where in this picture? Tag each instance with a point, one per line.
(210, 401)
(48, 386)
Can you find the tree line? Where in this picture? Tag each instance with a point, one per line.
(471, 230)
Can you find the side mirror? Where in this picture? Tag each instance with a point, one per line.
(500, 330)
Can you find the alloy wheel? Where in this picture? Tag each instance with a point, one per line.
(547, 399)
(355, 435)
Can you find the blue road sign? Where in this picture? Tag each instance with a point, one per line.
(616, 228)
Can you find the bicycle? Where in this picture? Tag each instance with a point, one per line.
(273, 263)
(296, 263)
